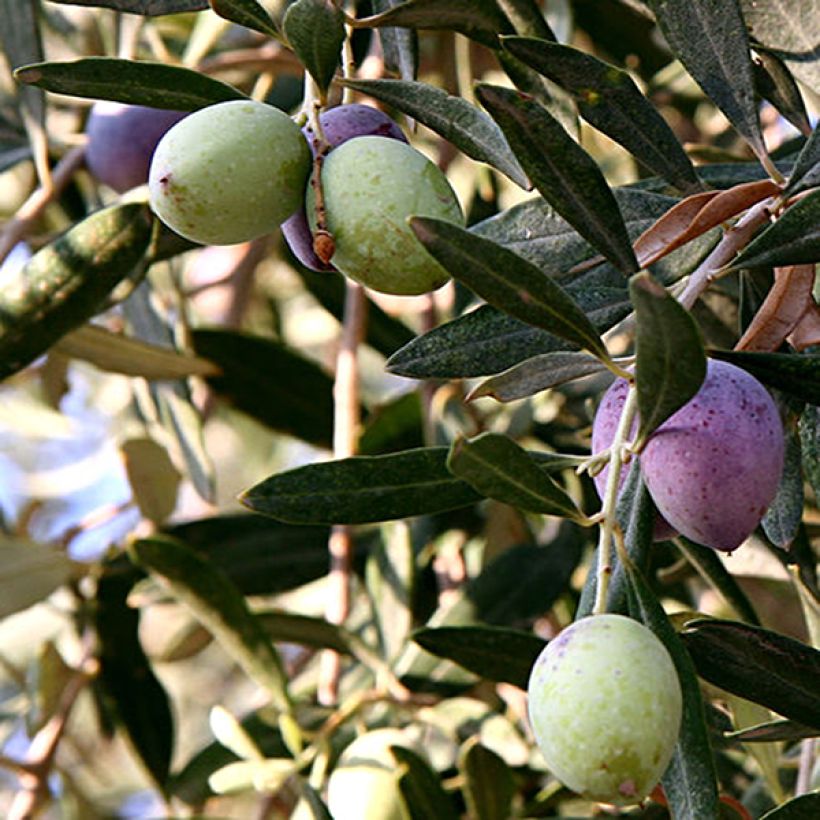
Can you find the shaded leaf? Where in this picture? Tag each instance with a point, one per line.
(396, 425)
(421, 787)
(489, 786)
(480, 20)
(468, 128)
(711, 41)
(29, 573)
(124, 670)
(145, 7)
(248, 13)
(797, 375)
(781, 522)
(400, 45)
(670, 362)
(130, 81)
(802, 807)
(492, 652)
(762, 666)
(775, 730)
(219, 606)
(775, 83)
(564, 174)
(806, 171)
(22, 43)
(608, 98)
(362, 489)
(690, 782)
(66, 282)
(271, 382)
(497, 467)
(307, 630)
(792, 240)
(315, 30)
(536, 374)
(509, 282)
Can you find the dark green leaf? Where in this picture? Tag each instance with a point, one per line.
(690, 781)
(315, 30)
(792, 240)
(397, 425)
(400, 45)
(809, 432)
(495, 466)
(564, 174)
(421, 788)
(797, 375)
(765, 667)
(130, 81)
(144, 7)
(509, 282)
(670, 361)
(248, 13)
(480, 20)
(65, 283)
(782, 520)
(362, 489)
(271, 382)
(775, 83)
(219, 606)
(494, 653)
(468, 128)
(22, 43)
(489, 786)
(527, 18)
(711, 41)
(318, 810)
(775, 730)
(536, 374)
(802, 807)
(307, 630)
(259, 555)
(806, 171)
(124, 670)
(791, 31)
(714, 572)
(608, 98)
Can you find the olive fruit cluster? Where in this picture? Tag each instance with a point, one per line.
(605, 705)
(235, 171)
(713, 467)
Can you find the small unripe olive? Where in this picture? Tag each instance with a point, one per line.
(605, 706)
(229, 173)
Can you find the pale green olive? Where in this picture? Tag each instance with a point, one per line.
(229, 173)
(371, 185)
(605, 707)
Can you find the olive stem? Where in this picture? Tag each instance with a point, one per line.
(616, 461)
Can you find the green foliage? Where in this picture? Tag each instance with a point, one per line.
(420, 521)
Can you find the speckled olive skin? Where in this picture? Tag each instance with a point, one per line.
(605, 706)
(339, 124)
(713, 467)
(371, 186)
(229, 173)
(122, 139)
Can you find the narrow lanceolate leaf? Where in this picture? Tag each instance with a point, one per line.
(608, 98)
(29, 573)
(65, 283)
(315, 30)
(536, 374)
(147, 8)
(400, 45)
(564, 174)
(480, 20)
(797, 375)
(220, 608)
(362, 489)
(496, 467)
(773, 731)
(775, 83)
(806, 171)
(248, 13)
(458, 121)
(762, 666)
(493, 652)
(670, 361)
(792, 240)
(803, 807)
(421, 787)
(488, 787)
(690, 782)
(130, 81)
(508, 282)
(22, 43)
(711, 41)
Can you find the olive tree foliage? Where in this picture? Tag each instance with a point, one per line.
(319, 514)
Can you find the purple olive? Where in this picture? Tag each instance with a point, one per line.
(713, 467)
(339, 125)
(122, 139)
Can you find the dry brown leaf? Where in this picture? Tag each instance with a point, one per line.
(785, 304)
(696, 215)
(807, 330)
